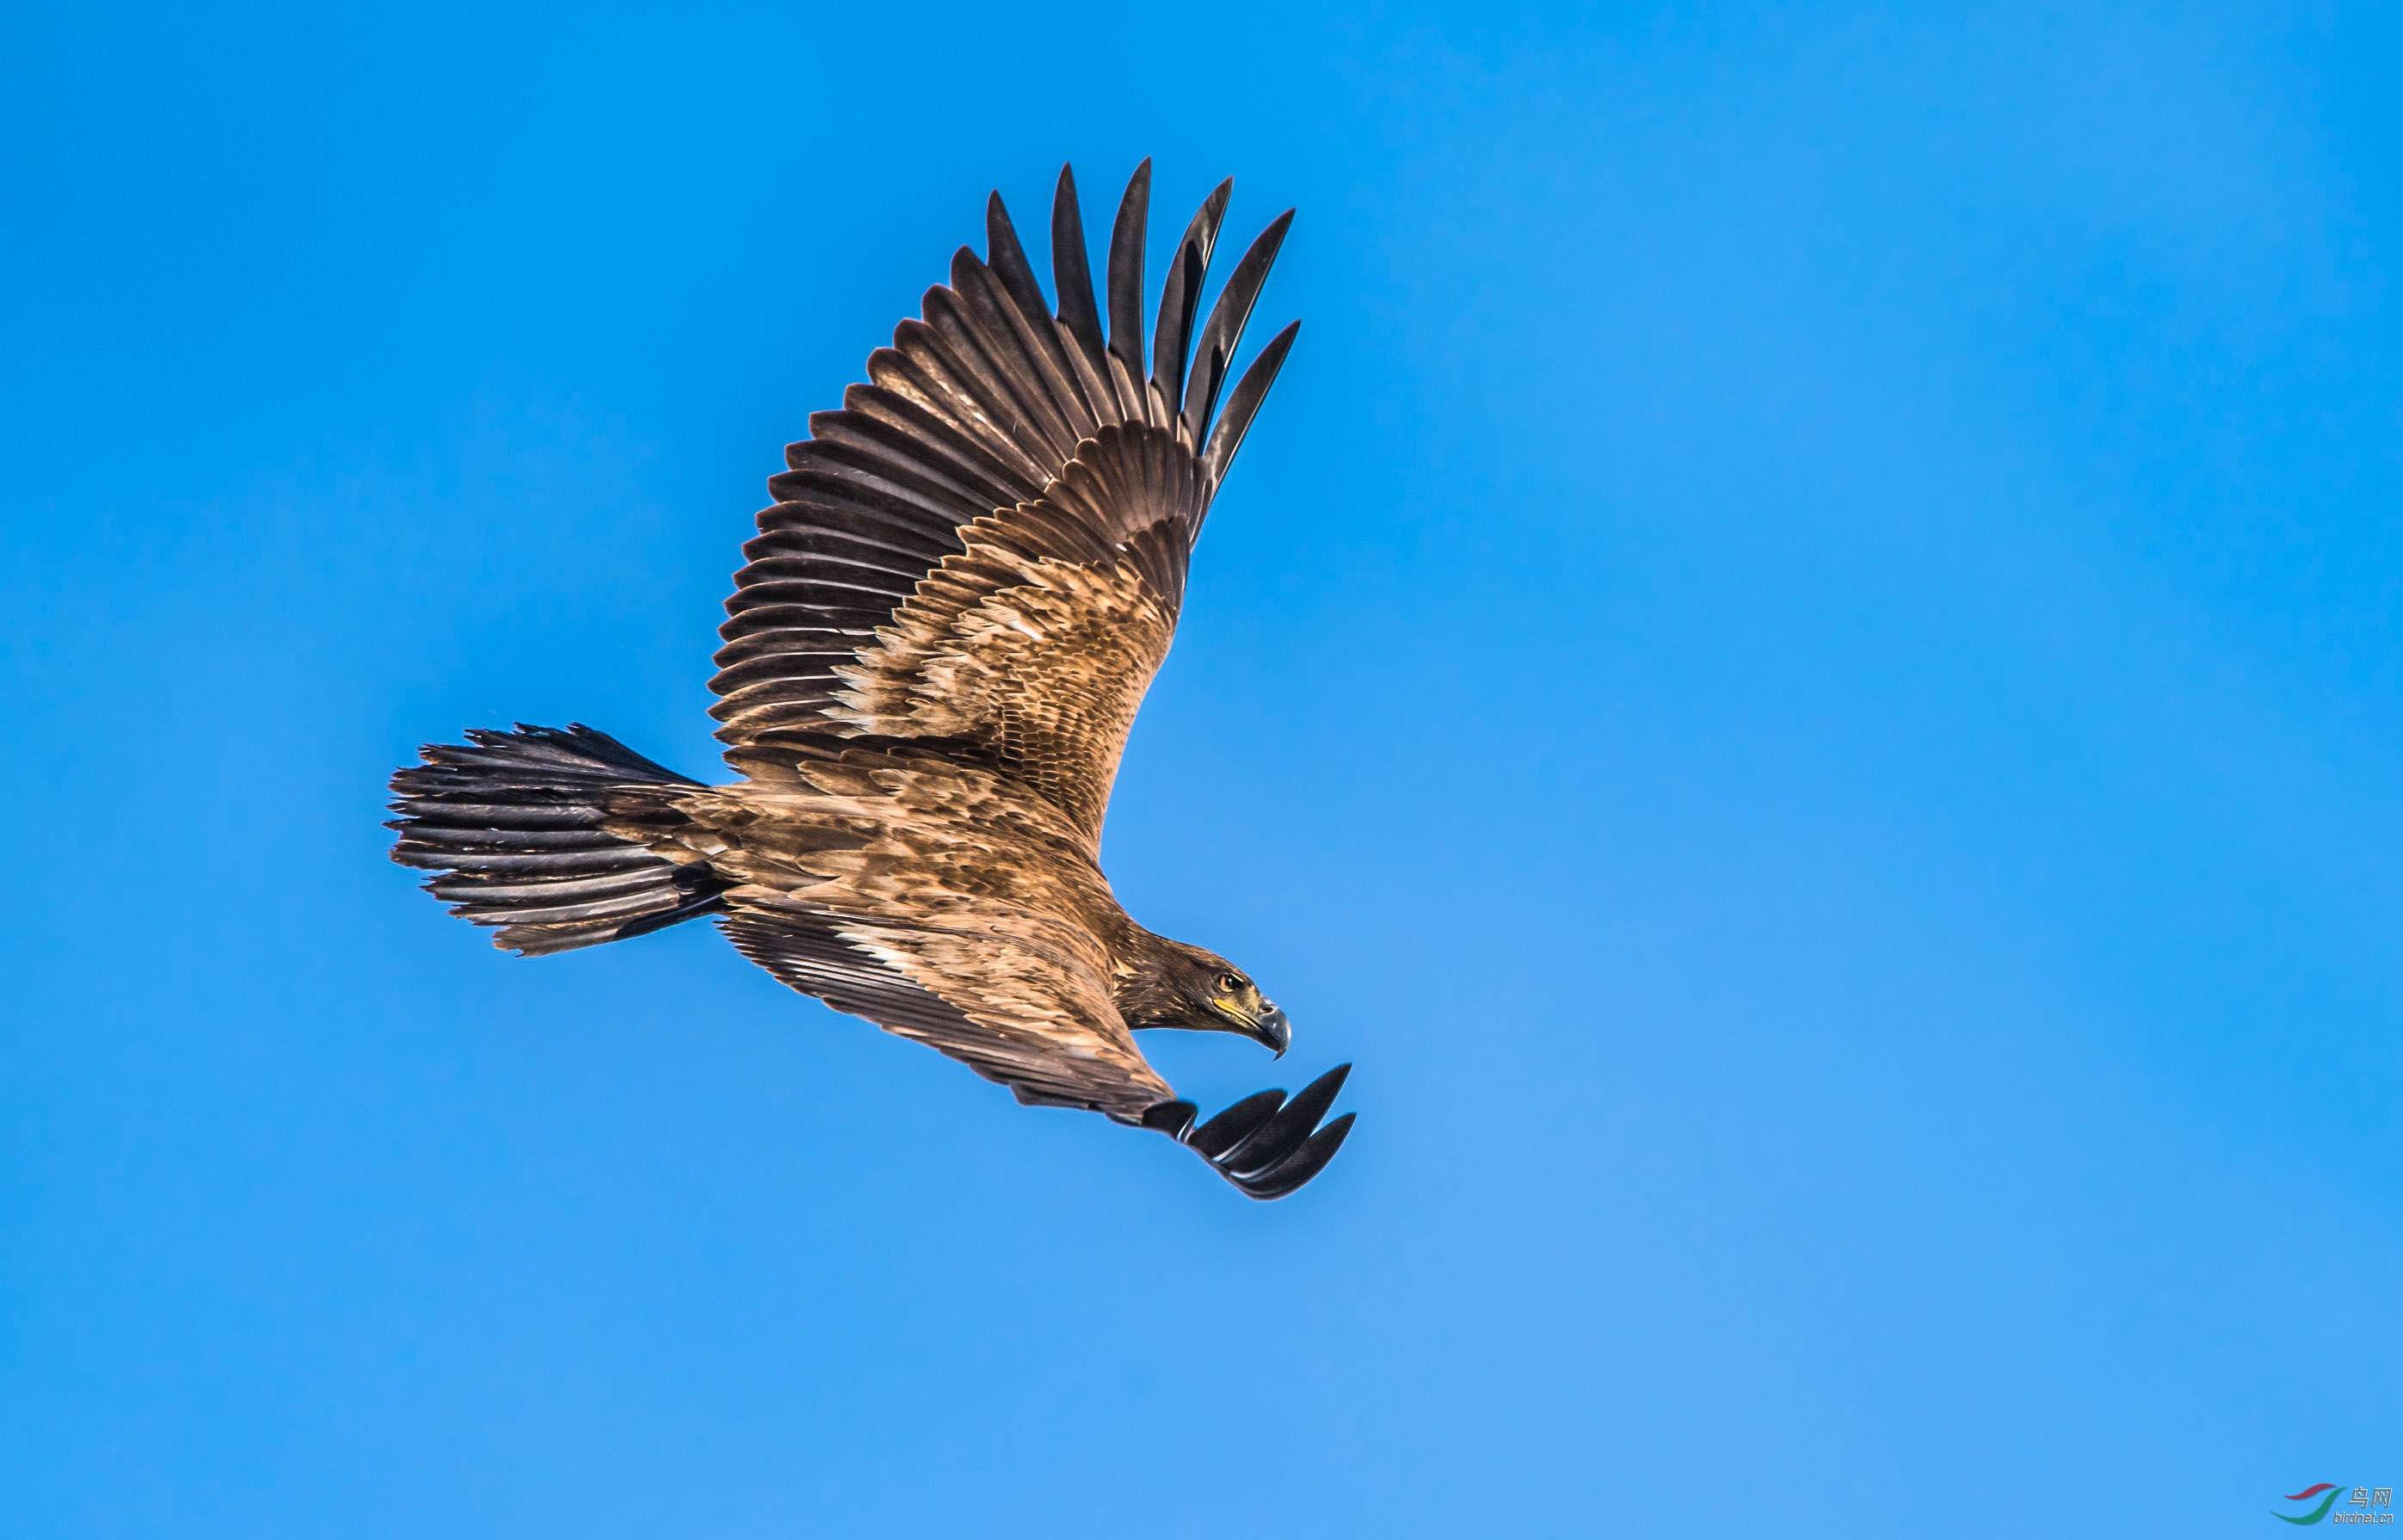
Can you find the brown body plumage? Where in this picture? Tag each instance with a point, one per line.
(950, 617)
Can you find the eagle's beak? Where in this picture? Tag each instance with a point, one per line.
(1274, 1031)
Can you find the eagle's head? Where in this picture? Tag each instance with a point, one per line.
(1175, 985)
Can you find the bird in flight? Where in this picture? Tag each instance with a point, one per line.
(964, 585)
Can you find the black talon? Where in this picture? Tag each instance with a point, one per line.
(1223, 1132)
(1264, 1144)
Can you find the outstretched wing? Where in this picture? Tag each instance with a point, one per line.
(1051, 1036)
(932, 899)
(1054, 1039)
(985, 551)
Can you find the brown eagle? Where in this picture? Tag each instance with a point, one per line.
(951, 614)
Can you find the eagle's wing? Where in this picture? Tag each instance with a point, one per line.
(934, 899)
(1041, 1025)
(984, 552)
(1054, 1040)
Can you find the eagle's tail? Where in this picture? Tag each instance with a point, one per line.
(539, 831)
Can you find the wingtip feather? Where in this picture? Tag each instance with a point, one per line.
(1072, 276)
(1126, 271)
(1215, 351)
(1244, 403)
(1180, 296)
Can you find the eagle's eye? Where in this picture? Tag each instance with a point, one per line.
(1228, 983)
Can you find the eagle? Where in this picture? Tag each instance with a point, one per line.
(964, 586)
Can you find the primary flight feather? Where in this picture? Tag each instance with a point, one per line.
(948, 618)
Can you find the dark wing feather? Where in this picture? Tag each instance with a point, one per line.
(1126, 289)
(803, 952)
(1055, 355)
(1215, 350)
(1073, 280)
(1250, 391)
(1181, 295)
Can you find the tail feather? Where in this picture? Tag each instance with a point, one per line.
(513, 825)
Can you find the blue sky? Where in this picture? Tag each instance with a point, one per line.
(1801, 668)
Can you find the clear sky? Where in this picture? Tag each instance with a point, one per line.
(1802, 669)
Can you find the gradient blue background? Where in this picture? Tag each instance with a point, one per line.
(1802, 667)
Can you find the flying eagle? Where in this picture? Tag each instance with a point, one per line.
(951, 614)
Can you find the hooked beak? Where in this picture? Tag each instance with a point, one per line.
(1274, 1031)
